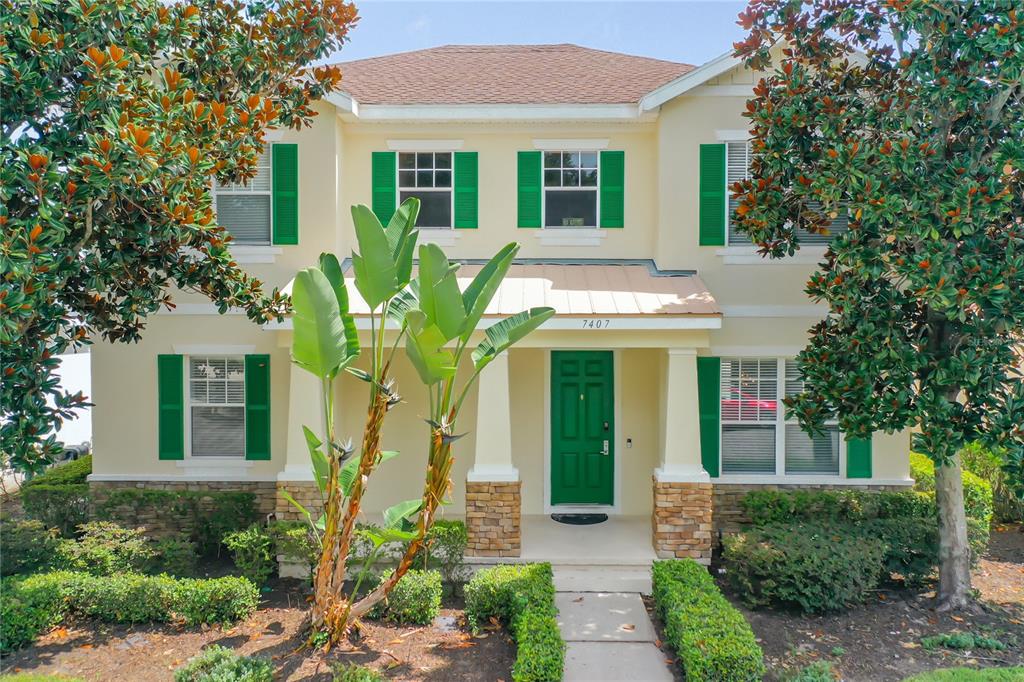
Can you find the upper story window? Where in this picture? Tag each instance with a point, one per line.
(570, 189)
(737, 165)
(428, 177)
(756, 437)
(216, 396)
(244, 210)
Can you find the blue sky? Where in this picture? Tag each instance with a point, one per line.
(681, 31)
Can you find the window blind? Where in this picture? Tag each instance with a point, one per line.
(749, 395)
(244, 209)
(806, 454)
(217, 406)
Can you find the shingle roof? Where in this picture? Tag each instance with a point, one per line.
(506, 74)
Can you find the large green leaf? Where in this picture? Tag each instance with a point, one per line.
(405, 300)
(481, 290)
(440, 298)
(402, 239)
(321, 465)
(500, 336)
(350, 468)
(380, 536)
(331, 268)
(425, 347)
(395, 516)
(319, 343)
(374, 265)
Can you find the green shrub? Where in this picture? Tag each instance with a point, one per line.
(816, 567)
(446, 550)
(778, 506)
(253, 552)
(220, 664)
(988, 465)
(24, 616)
(523, 596)
(978, 500)
(712, 640)
(352, 672)
(64, 507)
(415, 599)
(26, 546)
(295, 540)
(215, 600)
(819, 671)
(912, 544)
(75, 471)
(175, 556)
(970, 675)
(105, 548)
(962, 640)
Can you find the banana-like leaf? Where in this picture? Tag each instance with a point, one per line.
(318, 338)
(481, 290)
(331, 268)
(382, 536)
(374, 266)
(499, 337)
(402, 239)
(321, 465)
(440, 298)
(350, 468)
(425, 346)
(404, 301)
(395, 516)
(302, 510)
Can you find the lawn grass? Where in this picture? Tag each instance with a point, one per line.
(970, 675)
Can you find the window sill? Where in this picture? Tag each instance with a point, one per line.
(252, 253)
(748, 255)
(571, 236)
(214, 466)
(811, 479)
(442, 236)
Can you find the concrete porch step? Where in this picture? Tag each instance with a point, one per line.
(570, 578)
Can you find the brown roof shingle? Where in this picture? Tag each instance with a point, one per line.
(506, 74)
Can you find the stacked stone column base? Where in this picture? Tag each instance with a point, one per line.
(305, 493)
(493, 518)
(681, 523)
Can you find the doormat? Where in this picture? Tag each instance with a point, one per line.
(579, 519)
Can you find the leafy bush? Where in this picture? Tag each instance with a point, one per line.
(215, 600)
(712, 640)
(25, 613)
(912, 544)
(446, 550)
(988, 465)
(962, 640)
(105, 548)
(175, 556)
(816, 567)
(26, 546)
(75, 471)
(352, 672)
(780, 506)
(819, 671)
(253, 552)
(295, 540)
(64, 507)
(415, 599)
(978, 500)
(523, 596)
(220, 664)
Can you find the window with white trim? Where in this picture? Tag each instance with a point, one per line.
(428, 177)
(245, 209)
(756, 437)
(216, 410)
(737, 167)
(570, 189)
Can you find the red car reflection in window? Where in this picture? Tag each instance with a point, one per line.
(739, 403)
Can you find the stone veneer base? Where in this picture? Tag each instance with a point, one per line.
(305, 493)
(681, 520)
(493, 512)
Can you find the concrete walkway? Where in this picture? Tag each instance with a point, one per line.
(608, 634)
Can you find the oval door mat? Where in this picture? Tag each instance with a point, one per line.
(579, 519)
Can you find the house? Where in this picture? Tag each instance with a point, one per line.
(654, 393)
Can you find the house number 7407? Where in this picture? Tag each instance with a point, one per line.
(597, 324)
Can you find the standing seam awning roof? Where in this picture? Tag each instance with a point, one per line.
(606, 290)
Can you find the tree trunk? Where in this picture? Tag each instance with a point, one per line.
(954, 552)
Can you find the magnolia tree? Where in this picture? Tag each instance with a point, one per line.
(909, 117)
(116, 116)
(436, 321)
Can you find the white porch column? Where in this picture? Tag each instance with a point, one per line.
(680, 424)
(493, 456)
(303, 409)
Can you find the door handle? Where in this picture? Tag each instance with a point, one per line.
(604, 448)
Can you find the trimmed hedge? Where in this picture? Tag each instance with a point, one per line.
(64, 507)
(75, 471)
(712, 640)
(36, 603)
(415, 599)
(522, 596)
(220, 664)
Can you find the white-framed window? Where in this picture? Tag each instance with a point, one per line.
(737, 167)
(428, 177)
(216, 406)
(571, 189)
(756, 437)
(245, 209)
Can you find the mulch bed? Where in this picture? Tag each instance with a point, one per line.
(442, 651)
(880, 641)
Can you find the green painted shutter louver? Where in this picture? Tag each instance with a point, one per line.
(858, 458)
(709, 380)
(466, 182)
(257, 407)
(384, 180)
(284, 163)
(170, 406)
(713, 200)
(613, 195)
(530, 174)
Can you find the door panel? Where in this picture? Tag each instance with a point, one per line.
(582, 419)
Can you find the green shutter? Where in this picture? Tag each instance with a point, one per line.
(613, 181)
(284, 159)
(384, 181)
(712, 195)
(170, 406)
(465, 180)
(858, 458)
(529, 189)
(709, 379)
(257, 407)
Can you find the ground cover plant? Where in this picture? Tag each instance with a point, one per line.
(970, 675)
(220, 664)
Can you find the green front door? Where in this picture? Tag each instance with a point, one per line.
(582, 427)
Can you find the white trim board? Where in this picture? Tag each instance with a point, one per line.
(180, 478)
(499, 112)
(212, 349)
(424, 145)
(558, 145)
(702, 74)
(790, 479)
(812, 311)
(607, 323)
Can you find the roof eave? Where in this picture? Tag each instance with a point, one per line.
(688, 81)
(350, 109)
